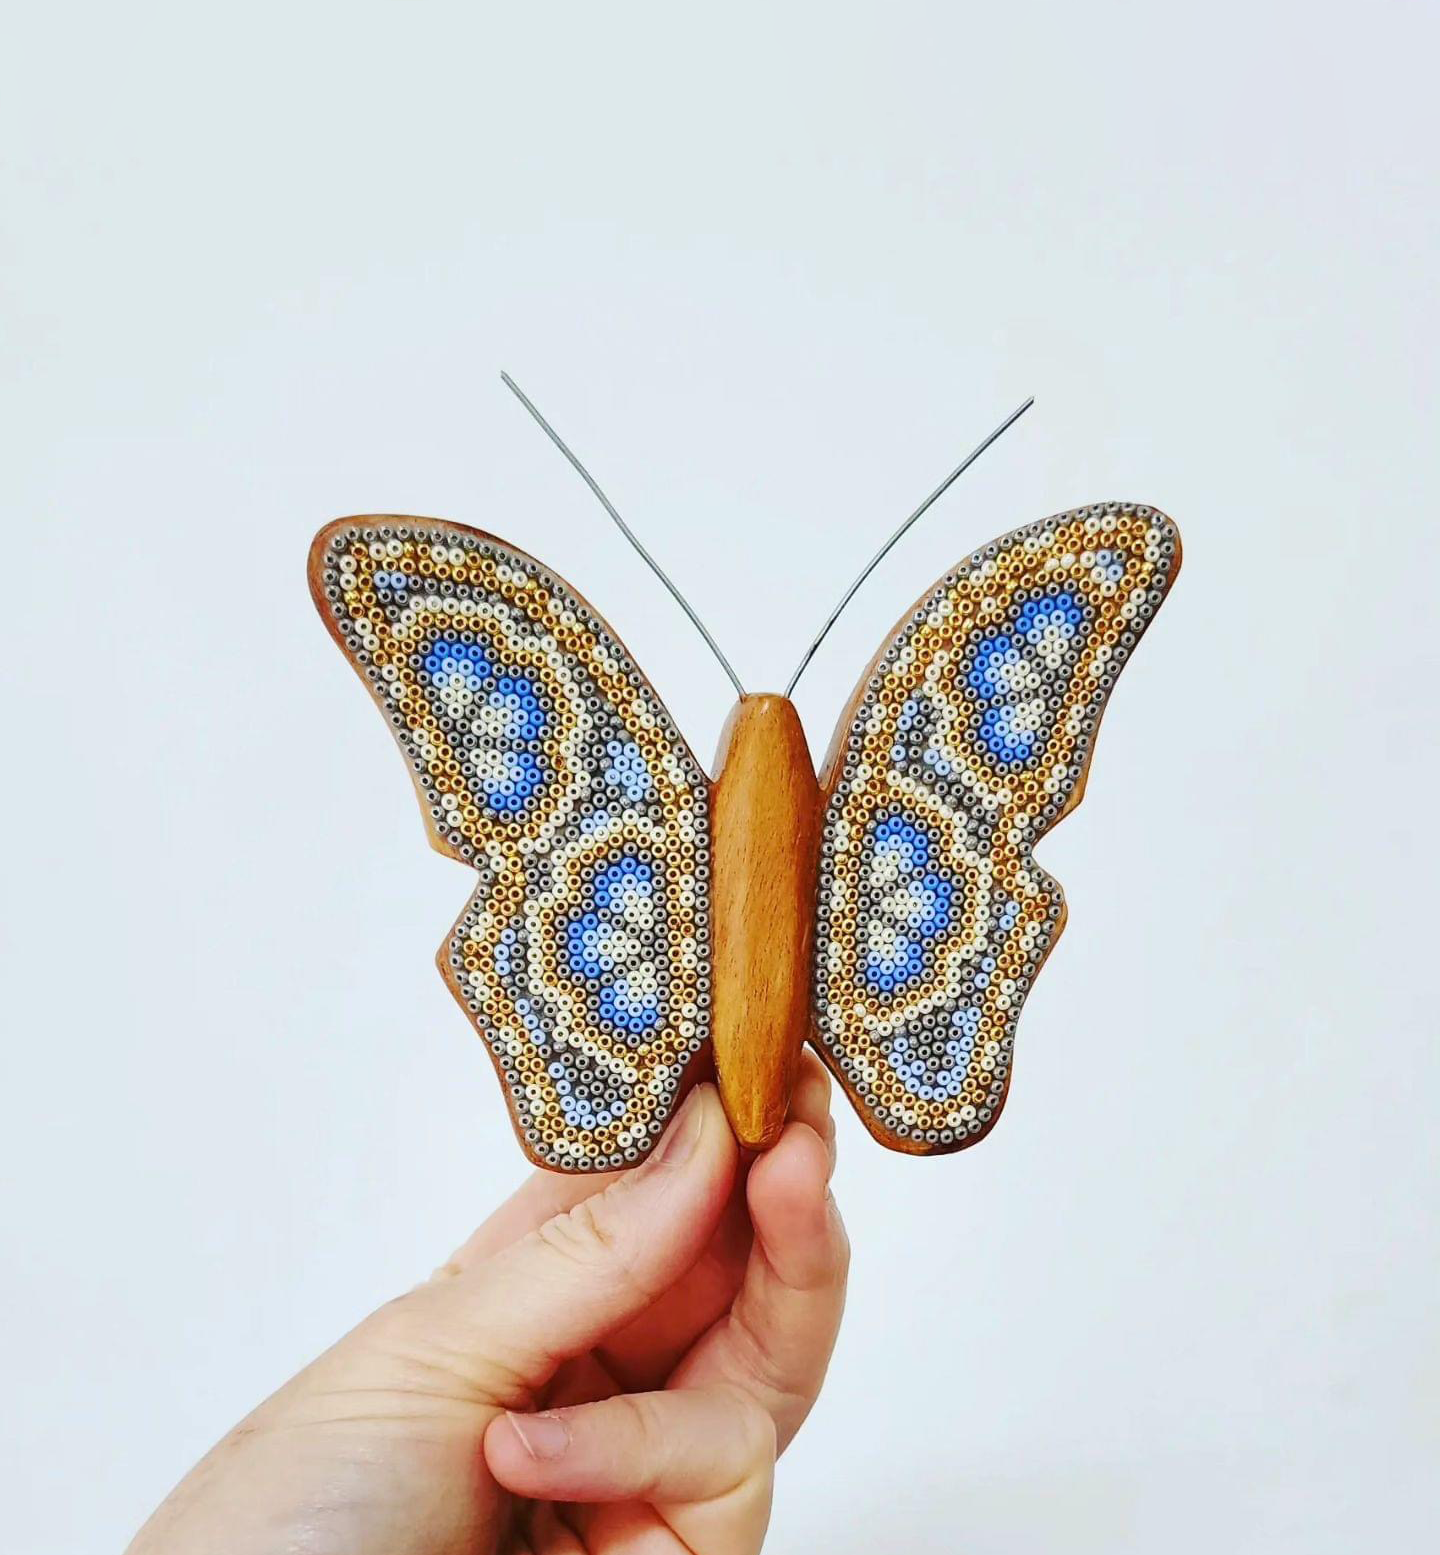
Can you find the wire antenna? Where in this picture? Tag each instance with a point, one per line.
(624, 529)
(889, 545)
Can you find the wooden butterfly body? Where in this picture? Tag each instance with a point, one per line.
(635, 921)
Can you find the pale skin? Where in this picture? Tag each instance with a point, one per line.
(610, 1364)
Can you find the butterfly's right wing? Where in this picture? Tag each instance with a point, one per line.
(967, 740)
(544, 760)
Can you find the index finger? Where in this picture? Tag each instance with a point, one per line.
(776, 1340)
(541, 1197)
(544, 1194)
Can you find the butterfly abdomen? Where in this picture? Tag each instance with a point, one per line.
(765, 831)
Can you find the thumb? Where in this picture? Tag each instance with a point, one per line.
(559, 1290)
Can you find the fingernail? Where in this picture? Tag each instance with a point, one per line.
(678, 1141)
(542, 1436)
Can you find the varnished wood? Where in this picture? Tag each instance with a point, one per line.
(765, 838)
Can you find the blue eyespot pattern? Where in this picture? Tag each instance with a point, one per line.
(1006, 671)
(607, 945)
(502, 707)
(913, 903)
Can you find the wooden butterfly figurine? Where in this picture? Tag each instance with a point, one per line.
(635, 921)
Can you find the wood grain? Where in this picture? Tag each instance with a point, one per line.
(765, 837)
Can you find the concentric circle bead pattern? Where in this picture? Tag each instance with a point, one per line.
(968, 741)
(544, 760)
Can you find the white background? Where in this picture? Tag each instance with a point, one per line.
(772, 269)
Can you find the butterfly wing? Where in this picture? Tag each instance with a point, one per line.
(544, 760)
(967, 740)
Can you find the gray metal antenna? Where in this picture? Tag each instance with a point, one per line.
(885, 549)
(624, 528)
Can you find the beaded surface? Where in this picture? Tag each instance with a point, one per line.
(547, 763)
(970, 740)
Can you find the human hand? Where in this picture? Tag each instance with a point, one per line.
(611, 1364)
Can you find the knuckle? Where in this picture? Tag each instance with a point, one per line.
(635, 1421)
(842, 1246)
(419, 1347)
(754, 1431)
(753, 1353)
(588, 1234)
(578, 1234)
(787, 1399)
(639, 1418)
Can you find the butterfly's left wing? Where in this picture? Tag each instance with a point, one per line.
(543, 759)
(968, 739)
